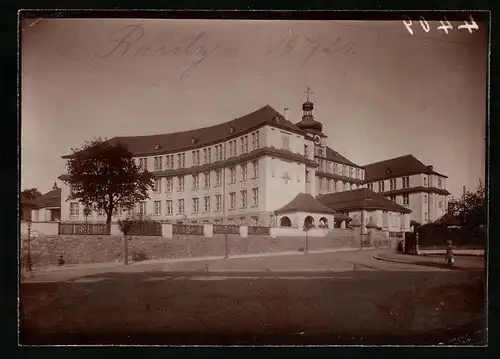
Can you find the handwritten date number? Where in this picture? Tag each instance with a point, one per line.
(445, 25)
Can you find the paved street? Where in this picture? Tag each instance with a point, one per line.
(329, 298)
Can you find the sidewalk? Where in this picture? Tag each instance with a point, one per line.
(316, 261)
(457, 252)
(435, 260)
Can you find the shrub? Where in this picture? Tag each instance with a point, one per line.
(138, 256)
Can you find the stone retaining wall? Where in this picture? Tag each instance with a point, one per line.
(45, 250)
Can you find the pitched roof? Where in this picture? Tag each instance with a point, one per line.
(49, 199)
(396, 167)
(25, 201)
(361, 198)
(337, 157)
(448, 220)
(305, 202)
(181, 141)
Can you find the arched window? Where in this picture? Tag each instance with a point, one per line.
(285, 222)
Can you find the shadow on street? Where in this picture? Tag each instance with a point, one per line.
(352, 307)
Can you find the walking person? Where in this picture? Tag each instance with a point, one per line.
(450, 258)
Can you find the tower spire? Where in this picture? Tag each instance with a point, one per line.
(308, 93)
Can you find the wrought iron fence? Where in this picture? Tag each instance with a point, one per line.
(144, 228)
(187, 229)
(253, 230)
(396, 234)
(226, 229)
(84, 229)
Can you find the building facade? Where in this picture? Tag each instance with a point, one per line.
(242, 171)
(410, 183)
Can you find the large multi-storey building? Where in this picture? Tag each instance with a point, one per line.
(243, 170)
(408, 182)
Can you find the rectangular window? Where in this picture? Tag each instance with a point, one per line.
(218, 152)
(169, 164)
(392, 198)
(243, 147)
(243, 199)
(168, 207)
(180, 183)
(370, 186)
(218, 202)
(207, 180)
(307, 176)
(255, 165)
(358, 176)
(230, 221)
(232, 148)
(350, 171)
(216, 221)
(406, 182)
(168, 186)
(425, 181)
(381, 186)
(306, 151)
(158, 162)
(181, 160)
(205, 155)
(285, 141)
(392, 184)
(232, 200)
(320, 152)
(157, 208)
(74, 210)
(142, 208)
(242, 220)
(255, 196)
(157, 185)
(244, 172)
(425, 198)
(218, 175)
(232, 174)
(180, 206)
(196, 181)
(440, 182)
(207, 203)
(196, 157)
(143, 163)
(344, 170)
(406, 200)
(195, 205)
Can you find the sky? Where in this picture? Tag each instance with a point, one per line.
(379, 91)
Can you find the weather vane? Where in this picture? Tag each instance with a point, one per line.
(308, 92)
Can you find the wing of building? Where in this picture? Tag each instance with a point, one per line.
(408, 182)
(240, 171)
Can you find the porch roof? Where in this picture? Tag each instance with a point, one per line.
(305, 202)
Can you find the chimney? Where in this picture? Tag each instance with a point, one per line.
(55, 186)
(430, 168)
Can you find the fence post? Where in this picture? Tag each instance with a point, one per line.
(29, 246)
(226, 254)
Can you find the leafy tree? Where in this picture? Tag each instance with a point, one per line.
(31, 193)
(104, 176)
(470, 209)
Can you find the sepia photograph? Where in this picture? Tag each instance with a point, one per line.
(267, 179)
